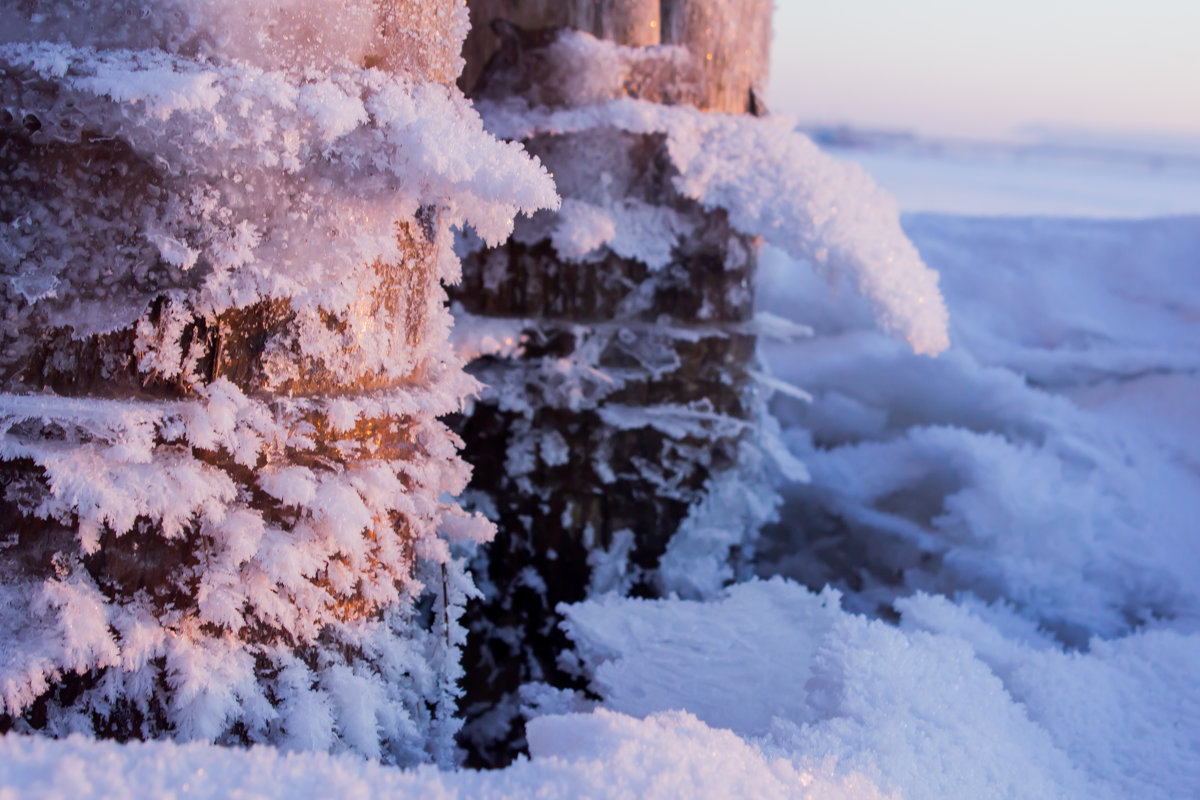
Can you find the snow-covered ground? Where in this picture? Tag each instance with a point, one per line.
(1010, 531)
(1068, 176)
(1015, 185)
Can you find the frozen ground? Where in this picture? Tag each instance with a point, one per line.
(1010, 529)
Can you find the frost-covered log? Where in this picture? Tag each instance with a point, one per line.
(224, 352)
(623, 445)
(630, 419)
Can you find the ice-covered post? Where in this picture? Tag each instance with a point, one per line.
(616, 451)
(223, 235)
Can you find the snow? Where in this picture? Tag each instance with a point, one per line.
(786, 695)
(917, 714)
(983, 582)
(1029, 310)
(951, 704)
(1036, 446)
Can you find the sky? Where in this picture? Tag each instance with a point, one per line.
(988, 68)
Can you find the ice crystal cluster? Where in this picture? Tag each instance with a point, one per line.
(223, 236)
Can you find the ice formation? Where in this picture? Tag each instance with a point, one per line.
(225, 355)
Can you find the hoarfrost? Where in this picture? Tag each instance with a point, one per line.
(225, 352)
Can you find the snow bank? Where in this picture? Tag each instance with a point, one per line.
(1047, 460)
(588, 755)
(961, 701)
(1125, 711)
(776, 692)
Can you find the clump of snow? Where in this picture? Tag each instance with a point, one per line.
(684, 757)
(581, 229)
(774, 183)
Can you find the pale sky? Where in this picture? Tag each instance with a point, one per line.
(983, 68)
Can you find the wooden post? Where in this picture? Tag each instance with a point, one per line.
(636, 23)
(729, 40)
(566, 449)
(246, 408)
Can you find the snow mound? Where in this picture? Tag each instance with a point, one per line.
(1048, 460)
(604, 754)
(946, 706)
